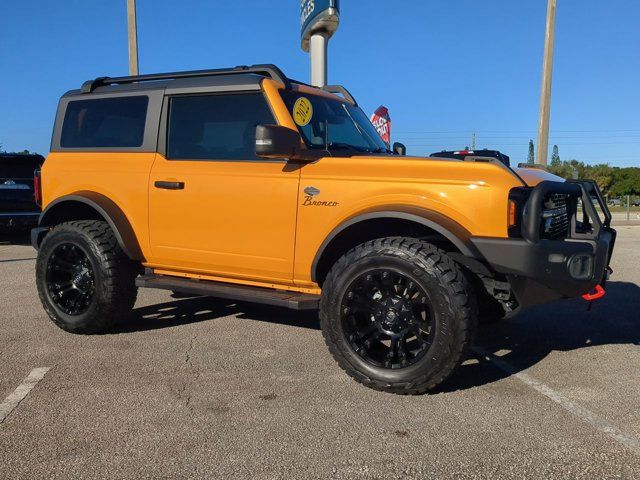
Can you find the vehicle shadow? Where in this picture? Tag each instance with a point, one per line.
(183, 311)
(521, 341)
(11, 237)
(528, 338)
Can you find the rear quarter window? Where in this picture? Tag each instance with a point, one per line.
(105, 122)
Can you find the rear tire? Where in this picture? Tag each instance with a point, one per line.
(397, 315)
(85, 281)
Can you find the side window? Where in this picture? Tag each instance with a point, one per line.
(105, 122)
(216, 127)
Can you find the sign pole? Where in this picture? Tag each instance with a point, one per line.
(545, 94)
(319, 20)
(318, 44)
(133, 37)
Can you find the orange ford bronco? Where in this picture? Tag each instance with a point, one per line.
(243, 184)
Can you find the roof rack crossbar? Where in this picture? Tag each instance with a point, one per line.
(267, 70)
(340, 89)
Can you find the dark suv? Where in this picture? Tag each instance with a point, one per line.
(18, 203)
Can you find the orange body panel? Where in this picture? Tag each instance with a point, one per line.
(250, 222)
(121, 177)
(474, 195)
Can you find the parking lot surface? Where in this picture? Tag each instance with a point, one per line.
(203, 388)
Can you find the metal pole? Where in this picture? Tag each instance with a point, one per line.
(133, 37)
(628, 207)
(545, 94)
(318, 52)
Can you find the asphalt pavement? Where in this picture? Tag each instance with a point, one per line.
(204, 388)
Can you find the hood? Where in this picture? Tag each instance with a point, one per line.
(533, 176)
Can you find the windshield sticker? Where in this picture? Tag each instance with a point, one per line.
(302, 111)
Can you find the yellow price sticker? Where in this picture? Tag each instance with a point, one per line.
(302, 111)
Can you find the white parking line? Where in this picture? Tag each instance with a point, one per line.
(631, 443)
(21, 392)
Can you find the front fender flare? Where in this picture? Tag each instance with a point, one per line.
(451, 230)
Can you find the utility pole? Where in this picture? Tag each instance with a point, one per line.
(545, 93)
(133, 37)
(473, 141)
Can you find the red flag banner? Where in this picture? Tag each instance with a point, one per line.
(382, 122)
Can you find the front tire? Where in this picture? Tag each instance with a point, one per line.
(397, 315)
(85, 281)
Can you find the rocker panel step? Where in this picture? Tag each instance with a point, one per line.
(245, 293)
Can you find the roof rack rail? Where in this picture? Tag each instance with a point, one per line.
(267, 70)
(340, 89)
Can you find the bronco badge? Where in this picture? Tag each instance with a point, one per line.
(310, 202)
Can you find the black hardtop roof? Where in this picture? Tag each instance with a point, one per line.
(240, 82)
(235, 78)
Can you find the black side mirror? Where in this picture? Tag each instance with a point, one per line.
(399, 148)
(275, 141)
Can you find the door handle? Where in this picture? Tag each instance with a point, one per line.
(170, 185)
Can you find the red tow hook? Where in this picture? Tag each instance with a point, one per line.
(595, 295)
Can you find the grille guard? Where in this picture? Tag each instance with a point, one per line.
(583, 189)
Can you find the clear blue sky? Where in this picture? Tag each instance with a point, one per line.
(445, 68)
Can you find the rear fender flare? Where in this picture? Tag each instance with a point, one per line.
(107, 209)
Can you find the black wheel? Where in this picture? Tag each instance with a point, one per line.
(85, 281)
(397, 315)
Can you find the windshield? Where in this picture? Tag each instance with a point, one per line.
(333, 125)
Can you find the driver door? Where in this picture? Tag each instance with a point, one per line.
(215, 208)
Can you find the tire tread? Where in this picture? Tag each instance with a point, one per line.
(449, 273)
(117, 275)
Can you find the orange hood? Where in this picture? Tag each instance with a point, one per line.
(533, 176)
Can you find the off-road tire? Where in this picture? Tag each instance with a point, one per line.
(453, 303)
(114, 274)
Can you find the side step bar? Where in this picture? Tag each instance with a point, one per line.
(244, 293)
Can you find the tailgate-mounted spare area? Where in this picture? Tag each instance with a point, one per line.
(560, 241)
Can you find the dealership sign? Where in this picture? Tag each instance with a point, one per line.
(318, 16)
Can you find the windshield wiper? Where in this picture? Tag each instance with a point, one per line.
(346, 146)
(381, 150)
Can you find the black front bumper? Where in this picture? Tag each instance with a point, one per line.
(541, 270)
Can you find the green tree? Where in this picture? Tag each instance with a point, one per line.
(564, 170)
(555, 157)
(531, 157)
(602, 174)
(626, 181)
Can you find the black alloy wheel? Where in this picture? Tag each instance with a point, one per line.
(387, 318)
(70, 278)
